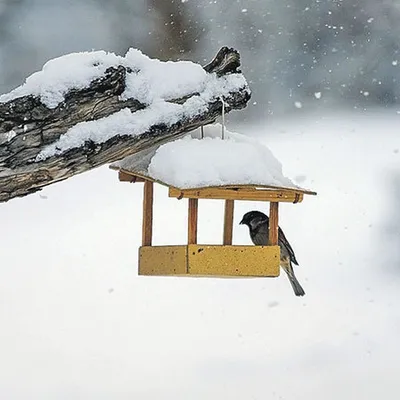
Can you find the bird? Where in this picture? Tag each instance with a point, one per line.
(258, 224)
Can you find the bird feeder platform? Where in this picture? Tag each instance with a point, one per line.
(209, 261)
(199, 260)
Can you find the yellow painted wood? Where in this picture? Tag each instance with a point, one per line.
(238, 194)
(163, 260)
(210, 261)
(256, 261)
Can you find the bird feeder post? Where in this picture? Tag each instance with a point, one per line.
(228, 222)
(192, 221)
(147, 224)
(273, 224)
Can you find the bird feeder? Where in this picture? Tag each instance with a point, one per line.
(207, 260)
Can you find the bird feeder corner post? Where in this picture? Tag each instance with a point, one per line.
(147, 224)
(228, 222)
(273, 224)
(192, 220)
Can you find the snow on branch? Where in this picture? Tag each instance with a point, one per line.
(87, 109)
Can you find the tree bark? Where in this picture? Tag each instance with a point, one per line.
(27, 126)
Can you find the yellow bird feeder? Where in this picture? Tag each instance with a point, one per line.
(193, 259)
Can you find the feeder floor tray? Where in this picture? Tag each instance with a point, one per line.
(209, 261)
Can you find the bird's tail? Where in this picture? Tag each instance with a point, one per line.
(298, 290)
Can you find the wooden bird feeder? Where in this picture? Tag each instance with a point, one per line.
(193, 259)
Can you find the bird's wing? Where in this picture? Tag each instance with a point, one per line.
(284, 241)
(260, 239)
(259, 233)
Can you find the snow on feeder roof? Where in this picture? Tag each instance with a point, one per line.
(194, 162)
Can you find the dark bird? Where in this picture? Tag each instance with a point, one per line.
(258, 224)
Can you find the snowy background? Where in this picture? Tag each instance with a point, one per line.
(319, 53)
(76, 320)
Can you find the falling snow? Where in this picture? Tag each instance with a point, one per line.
(298, 104)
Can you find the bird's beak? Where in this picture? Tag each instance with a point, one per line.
(241, 222)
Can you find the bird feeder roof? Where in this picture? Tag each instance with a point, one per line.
(193, 163)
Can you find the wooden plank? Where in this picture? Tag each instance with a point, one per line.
(234, 187)
(270, 187)
(238, 194)
(192, 221)
(147, 224)
(254, 187)
(273, 223)
(124, 177)
(228, 222)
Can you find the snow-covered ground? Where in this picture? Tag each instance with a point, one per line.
(78, 323)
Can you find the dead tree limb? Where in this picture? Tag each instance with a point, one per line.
(27, 126)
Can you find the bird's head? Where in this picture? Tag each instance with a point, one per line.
(252, 217)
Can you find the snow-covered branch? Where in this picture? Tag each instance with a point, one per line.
(88, 109)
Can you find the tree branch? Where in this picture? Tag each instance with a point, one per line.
(27, 126)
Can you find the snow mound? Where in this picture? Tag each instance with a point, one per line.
(192, 162)
(58, 76)
(149, 80)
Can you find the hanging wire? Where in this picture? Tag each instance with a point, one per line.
(223, 118)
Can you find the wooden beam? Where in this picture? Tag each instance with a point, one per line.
(268, 187)
(273, 223)
(124, 177)
(192, 221)
(228, 222)
(238, 194)
(147, 224)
